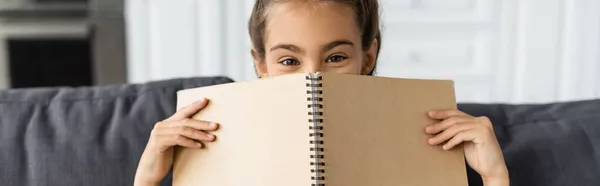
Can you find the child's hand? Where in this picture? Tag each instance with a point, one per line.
(179, 129)
(481, 148)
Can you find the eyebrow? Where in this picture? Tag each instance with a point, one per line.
(297, 49)
(337, 43)
(289, 47)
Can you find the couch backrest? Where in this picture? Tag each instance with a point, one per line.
(95, 136)
(546, 144)
(82, 136)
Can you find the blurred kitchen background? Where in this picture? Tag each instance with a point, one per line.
(507, 51)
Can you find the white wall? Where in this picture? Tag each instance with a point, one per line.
(496, 50)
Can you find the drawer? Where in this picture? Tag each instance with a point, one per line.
(465, 54)
(438, 11)
(448, 5)
(432, 53)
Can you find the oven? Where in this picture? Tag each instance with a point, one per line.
(50, 43)
(45, 43)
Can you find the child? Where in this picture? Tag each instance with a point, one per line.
(341, 36)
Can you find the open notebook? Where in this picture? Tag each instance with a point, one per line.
(321, 129)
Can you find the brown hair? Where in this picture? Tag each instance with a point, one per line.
(367, 17)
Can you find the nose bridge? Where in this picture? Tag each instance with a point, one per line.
(313, 65)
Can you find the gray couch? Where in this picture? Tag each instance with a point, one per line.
(95, 136)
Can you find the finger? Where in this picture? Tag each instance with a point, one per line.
(444, 114)
(443, 125)
(451, 132)
(467, 135)
(188, 132)
(164, 142)
(185, 142)
(189, 110)
(198, 125)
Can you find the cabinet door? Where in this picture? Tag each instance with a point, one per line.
(511, 51)
(440, 39)
(185, 38)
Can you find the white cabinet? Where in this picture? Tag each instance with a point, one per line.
(185, 38)
(496, 50)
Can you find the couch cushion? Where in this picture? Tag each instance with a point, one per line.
(82, 136)
(546, 144)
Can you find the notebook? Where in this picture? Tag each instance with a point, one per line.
(321, 129)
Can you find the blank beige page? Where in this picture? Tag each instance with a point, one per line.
(263, 139)
(375, 132)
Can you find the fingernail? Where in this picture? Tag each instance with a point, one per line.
(445, 147)
(199, 144)
(430, 141)
(428, 129)
(431, 113)
(212, 124)
(210, 136)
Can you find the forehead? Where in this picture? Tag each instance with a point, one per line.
(310, 22)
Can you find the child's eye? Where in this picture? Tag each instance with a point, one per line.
(336, 58)
(290, 62)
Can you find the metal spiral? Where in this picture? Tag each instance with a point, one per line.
(316, 129)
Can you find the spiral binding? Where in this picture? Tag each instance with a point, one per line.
(315, 105)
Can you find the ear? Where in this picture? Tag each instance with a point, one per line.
(259, 64)
(370, 58)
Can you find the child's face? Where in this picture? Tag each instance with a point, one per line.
(313, 37)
